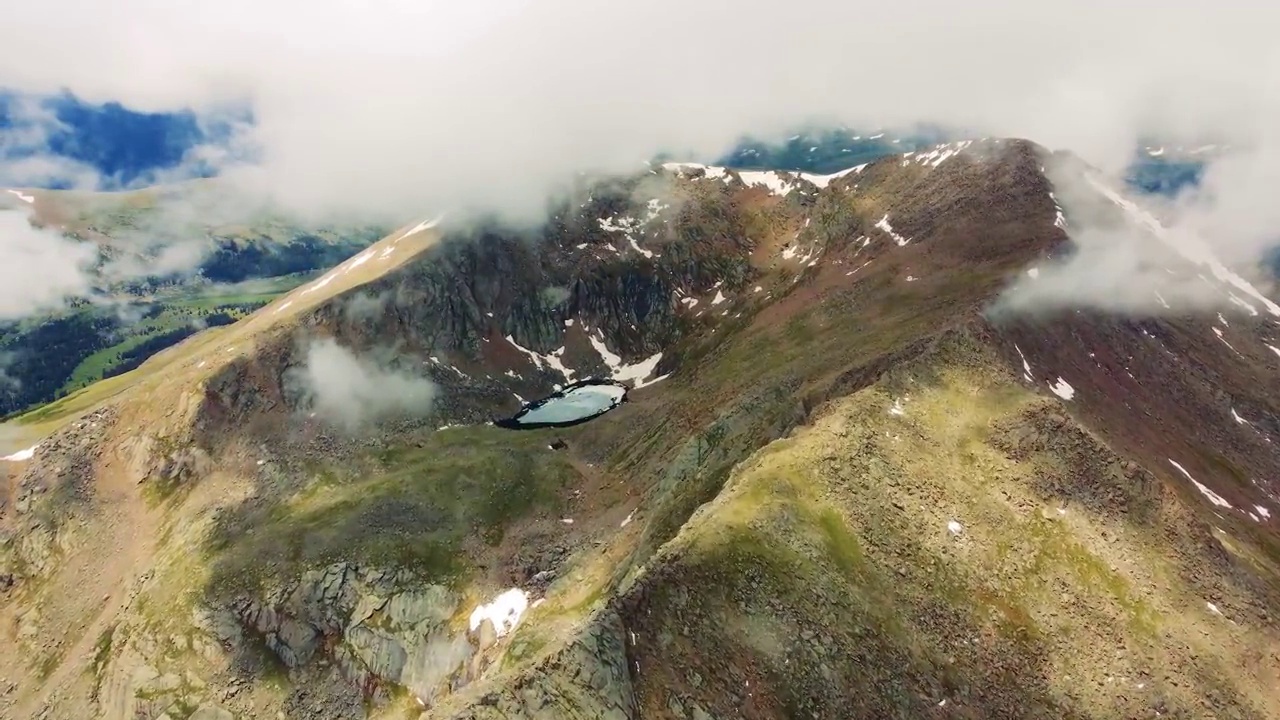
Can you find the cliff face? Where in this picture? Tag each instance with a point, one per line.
(838, 489)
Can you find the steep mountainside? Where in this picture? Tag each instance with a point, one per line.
(845, 483)
(166, 262)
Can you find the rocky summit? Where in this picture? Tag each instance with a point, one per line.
(849, 478)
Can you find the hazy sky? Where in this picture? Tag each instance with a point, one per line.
(408, 106)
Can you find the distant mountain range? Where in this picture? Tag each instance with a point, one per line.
(129, 148)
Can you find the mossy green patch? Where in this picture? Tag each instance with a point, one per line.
(413, 512)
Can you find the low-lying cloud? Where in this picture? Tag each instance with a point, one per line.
(40, 269)
(353, 391)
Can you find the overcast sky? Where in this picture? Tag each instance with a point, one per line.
(408, 107)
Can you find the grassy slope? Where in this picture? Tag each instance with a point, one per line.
(824, 580)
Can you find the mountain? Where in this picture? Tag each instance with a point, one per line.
(844, 482)
(168, 261)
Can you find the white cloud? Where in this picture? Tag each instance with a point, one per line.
(350, 390)
(400, 108)
(39, 269)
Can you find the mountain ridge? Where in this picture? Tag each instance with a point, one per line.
(834, 401)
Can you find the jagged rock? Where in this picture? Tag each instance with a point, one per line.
(381, 653)
(295, 642)
(433, 605)
(219, 622)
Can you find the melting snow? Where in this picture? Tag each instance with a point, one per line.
(22, 455)
(1218, 332)
(825, 180)
(1265, 513)
(884, 225)
(552, 361)
(24, 198)
(504, 611)
(424, 225)
(637, 373)
(1062, 389)
(627, 226)
(1026, 368)
(719, 298)
(1252, 310)
(359, 260)
(776, 183)
(712, 171)
(939, 154)
(321, 282)
(1213, 497)
(1187, 245)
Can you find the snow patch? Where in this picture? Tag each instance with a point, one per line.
(1026, 367)
(504, 611)
(954, 527)
(424, 225)
(1033, 273)
(23, 197)
(775, 182)
(282, 307)
(22, 455)
(1213, 497)
(1062, 389)
(897, 408)
(552, 361)
(825, 180)
(711, 171)
(636, 373)
(627, 520)
(719, 298)
(1264, 512)
(884, 225)
(938, 155)
(359, 260)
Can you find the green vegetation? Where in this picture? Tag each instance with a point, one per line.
(407, 507)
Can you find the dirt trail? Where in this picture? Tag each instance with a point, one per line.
(92, 586)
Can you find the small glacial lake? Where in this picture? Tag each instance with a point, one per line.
(576, 403)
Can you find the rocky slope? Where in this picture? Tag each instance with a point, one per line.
(842, 487)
